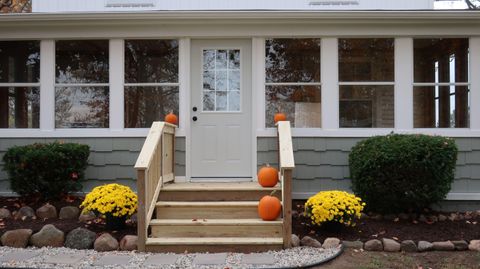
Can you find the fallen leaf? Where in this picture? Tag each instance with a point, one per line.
(194, 219)
(24, 217)
(312, 232)
(396, 220)
(415, 222)
(396, 238)
(382, 232)
(468, 222)
(374, 235)
(474, 223)
(17, 205)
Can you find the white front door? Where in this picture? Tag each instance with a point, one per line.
(221, 109)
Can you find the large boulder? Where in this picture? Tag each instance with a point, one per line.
(295, 241)
(47, 211)
(86, 216)
(16, 238)
(445, 246)
(353, 244)
(424, 246)
(80, 238)
(409, 246)
(373, 245)
(474, 245)
(460, 245)
(24, 213)
(307, 241)
(331, 242)
(390, 245)
(69, 212)
(5, 213)
(129, 242)
(105, 242)
(48, 236)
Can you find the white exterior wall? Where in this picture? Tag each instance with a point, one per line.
(138, 5)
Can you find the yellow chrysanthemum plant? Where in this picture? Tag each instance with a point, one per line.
(115, 201)
(329, 207)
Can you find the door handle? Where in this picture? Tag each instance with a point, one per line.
(194, 118)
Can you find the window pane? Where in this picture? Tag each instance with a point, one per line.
(144, 105)
(151, 61)
(19, 107)
(292, 60)
(19, 61)
(441, 60)
(81, 107)
(301, 105)
(366, 59)
(366, 107)
(81, 61)
(443, 107)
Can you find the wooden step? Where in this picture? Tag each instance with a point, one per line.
(207, 210)
(216, 191)
(213, 244)
(215, 228)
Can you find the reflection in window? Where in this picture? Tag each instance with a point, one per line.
(81, 107)
(19, 107)
(19, 63)
(366, 107)
(151, 81)
(441, 92)
(366, 60)
(144, 105)
(292, 79)
(221, 80)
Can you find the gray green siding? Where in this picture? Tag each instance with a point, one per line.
(322, 163)
(111, 159)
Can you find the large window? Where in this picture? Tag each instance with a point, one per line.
(441, 88)
(81, 89)
(151, 81)
(293, 81)
(366, 79)
(19, 84)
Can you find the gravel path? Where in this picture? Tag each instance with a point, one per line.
(294, 257)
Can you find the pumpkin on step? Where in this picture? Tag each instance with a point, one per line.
(171, 118)
(269, 207)
(267, 176)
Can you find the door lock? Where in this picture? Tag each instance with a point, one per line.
(194, 108)
(194, 118)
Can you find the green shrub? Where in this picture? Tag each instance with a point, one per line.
(400, 173)
(47, 170)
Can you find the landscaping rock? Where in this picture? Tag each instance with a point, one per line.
(424, 246)
(24, 213)
(353, 244)
(403, 216)
(69, 212)
(295, 241)
(373, 245)
(474, 245)
(48, 236)
(307, 241)
(86, 216)
(47, 211)
(432, 218)
(408, 246)
(331, 242)
(460, 245)
(390, 245)
(442, 217)
(5, 213)
(129, 242)
(80, 238)
(105, 242)
(446, 246)
(16, 238)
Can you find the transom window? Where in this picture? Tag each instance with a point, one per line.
(221, 80)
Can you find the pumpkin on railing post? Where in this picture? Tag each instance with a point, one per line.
(171, 118)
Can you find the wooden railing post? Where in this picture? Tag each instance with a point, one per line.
(141, 216)
(287, 208)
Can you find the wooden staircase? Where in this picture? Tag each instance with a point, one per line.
(200, 217)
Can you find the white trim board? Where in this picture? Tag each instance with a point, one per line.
(455, 196)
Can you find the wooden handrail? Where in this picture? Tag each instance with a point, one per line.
(286, 165)
(155, 166)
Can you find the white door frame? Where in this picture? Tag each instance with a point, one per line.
(185, 95)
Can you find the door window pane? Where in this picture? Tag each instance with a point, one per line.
(366, 107)
(441, 107)
(301, 105)
(221, 80)
(144, 105)
(369, 59)
(81, 61)
(292, 60)
(19, 107)
(151, 61)
(19, 61)
(81, 107)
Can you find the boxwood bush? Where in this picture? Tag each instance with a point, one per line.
(400, 173)
(48, 170)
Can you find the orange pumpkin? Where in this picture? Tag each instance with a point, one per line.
(269, 207)
(279, 117)
(267, 176)
(171, 118)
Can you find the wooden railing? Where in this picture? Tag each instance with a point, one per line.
(155, 166)
(286, 165)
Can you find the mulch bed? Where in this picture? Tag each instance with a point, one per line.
(97, 225)
(365, 230)
(368, 229)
